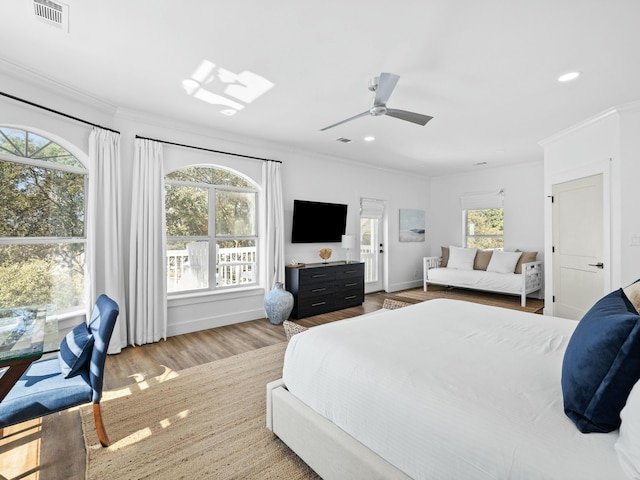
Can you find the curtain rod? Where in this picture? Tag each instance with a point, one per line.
(57, 112)
(208, 149)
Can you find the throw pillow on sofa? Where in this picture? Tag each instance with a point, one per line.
(445, 257)
(503, 262)
(526, 257)
(461, 258)
(483, 257)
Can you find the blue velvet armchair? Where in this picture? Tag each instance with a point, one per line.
(74, 378)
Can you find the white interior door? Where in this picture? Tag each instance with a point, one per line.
(578, 247)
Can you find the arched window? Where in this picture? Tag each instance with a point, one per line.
(42, 222)
(212, 238)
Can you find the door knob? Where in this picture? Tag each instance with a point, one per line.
(597, 265)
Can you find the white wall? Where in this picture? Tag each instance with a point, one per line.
(523, 206)
(305, 176)
(330, 180)
(606, 144)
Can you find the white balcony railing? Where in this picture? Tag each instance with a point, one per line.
(188, 269)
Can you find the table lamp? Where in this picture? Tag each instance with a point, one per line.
(348, 242)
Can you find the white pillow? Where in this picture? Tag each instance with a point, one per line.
(628, 443)
(461, 258)
(503, 262)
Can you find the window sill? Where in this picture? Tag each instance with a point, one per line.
(190, 298)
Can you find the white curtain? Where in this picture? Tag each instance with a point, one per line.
(272, 178)
(104, 257)
(147, 260)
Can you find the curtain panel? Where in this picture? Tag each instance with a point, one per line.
(104, 252)
(274, 239)
(147, 322)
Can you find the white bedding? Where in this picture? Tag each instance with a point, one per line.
(478, 279)
(450, 390)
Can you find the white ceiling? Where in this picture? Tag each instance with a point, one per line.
(485, 70)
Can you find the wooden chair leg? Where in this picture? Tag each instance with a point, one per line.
(102, 433)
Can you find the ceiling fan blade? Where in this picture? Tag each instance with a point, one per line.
(386, 83)
(363, 114)
(408, 116)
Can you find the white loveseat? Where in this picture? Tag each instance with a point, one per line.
(515, 273)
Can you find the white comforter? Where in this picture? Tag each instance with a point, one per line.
(450, 390)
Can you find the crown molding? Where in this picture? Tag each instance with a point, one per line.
(611, 111)
(41, 82)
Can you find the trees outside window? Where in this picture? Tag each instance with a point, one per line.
(484, 228)
(211, 222)
(42, 222)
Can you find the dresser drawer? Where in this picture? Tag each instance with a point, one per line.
(352, 271)
(312, 290)
(316, 305)
(316, 275)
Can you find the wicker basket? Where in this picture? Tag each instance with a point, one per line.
(291, 328)
(393, 304)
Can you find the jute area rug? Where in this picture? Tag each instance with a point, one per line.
(203, 422)
(485, 298)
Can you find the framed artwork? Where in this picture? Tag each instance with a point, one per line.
(412, 225)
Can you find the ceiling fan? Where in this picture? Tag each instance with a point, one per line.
(383, 87)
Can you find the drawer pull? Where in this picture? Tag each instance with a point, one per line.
(318, 290)
(317, 304)
(351, 284)
(350, 271)
(350, 297)
(318, 275)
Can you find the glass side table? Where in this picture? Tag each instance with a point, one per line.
(26, 333)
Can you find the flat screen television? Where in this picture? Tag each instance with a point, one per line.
(318, 222)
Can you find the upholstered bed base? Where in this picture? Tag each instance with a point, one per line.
(327, 449)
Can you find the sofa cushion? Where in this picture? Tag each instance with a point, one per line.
(601, 364)
(503, 262)
(526, 257)
(483, 257)
(445, 257)
(461, 258)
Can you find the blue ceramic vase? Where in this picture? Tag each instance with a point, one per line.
(278, 304)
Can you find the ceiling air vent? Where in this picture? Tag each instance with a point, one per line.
(53, 13)
(343, 140)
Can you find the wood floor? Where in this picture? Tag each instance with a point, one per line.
(53, 447)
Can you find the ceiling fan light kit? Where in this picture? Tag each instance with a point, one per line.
(383, 86)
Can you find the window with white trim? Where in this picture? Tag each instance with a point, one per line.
(484, 228)
(42, 222)
(212, 238)
(483, 220)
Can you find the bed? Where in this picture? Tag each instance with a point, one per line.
(442, 389)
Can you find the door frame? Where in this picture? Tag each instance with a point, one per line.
(610, 259)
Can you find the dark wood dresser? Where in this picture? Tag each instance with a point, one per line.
(324, 287)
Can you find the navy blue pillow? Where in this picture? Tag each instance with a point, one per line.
(75, 350)
(601, 364)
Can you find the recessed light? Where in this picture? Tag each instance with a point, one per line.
(369, 138)
(567, 77)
